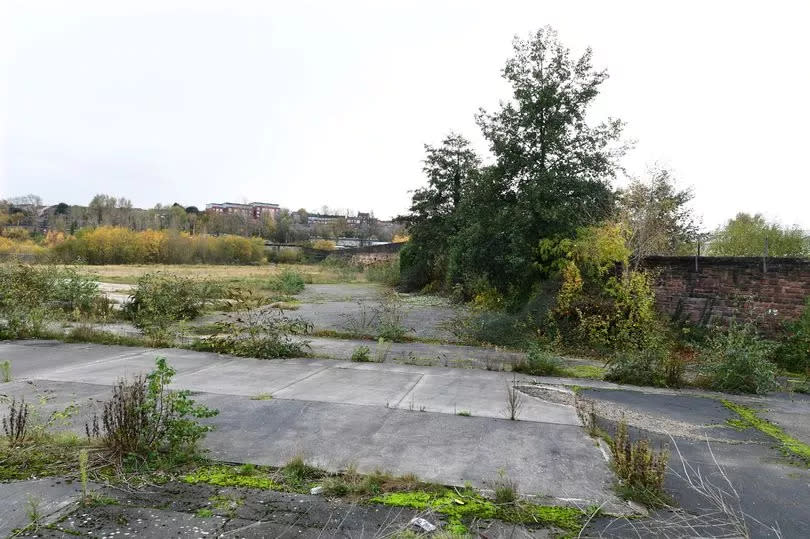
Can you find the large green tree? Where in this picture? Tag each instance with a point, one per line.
(746, 235)
(552, 166)
(450, 169)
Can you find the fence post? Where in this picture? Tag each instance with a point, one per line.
(765, 257)
(697, 256)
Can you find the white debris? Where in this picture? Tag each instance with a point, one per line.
(422, 523)
(316, 490)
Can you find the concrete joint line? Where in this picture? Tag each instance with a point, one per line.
(203, 369)
(310, 375)
(128, 355)
(410, 390)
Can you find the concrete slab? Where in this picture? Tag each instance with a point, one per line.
(138, 362)
(353, 386)
(792, 413)
(49, 495)
(35, 358)
(546, 459)
(480, 393)
(250, 376)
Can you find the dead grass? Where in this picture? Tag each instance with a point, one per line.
(129, 274)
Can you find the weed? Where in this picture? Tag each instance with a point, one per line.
(15, 424)
(261, 397)
(505, 489)
(204, 512)
(296, 472)
(640, 468)
(464, 413)
(227, 503)
(361, 354)
(256, 331)
(288, 282)
(145, 420)
(83, 460)
(33, 510)
(514, 400)
(788, 444)
(539, 362)
(5, 371)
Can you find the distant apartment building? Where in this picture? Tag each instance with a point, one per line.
(352, 220)
(251, 210)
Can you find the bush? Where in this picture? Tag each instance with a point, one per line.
(146, 421)
(736, 360)
(161, 299)
(539, 362)
(793, 353)
(256, 331)
(386, 272)
(30, 295)
(656, 364)
(287, 282)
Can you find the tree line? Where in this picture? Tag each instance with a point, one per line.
(549, 177)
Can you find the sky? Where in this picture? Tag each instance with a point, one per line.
(309, 104)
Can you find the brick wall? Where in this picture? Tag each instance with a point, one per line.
(720, 288)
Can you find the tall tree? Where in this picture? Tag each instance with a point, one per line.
(552, 168)
(747, 235)
(450, 168)
(657, 216)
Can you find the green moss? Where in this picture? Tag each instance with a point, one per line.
(226, 476)
(204, 513)
(468, 505)
(788, 444)
(593, 372)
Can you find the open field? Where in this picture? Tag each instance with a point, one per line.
(129, 274)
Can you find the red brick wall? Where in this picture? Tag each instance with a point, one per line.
(721, 288)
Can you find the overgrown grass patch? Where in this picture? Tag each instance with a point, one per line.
(788, 444)
(462, 506)
(233, 476)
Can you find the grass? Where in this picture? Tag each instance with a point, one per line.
(592, 372)
(253, 276)
(43, 455)
(463, 506)
(261, 397)
(788, 444)
(5, 371)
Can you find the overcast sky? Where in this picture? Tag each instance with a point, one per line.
(329, 103)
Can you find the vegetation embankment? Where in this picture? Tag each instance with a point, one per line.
(35, 298)
(548, 253)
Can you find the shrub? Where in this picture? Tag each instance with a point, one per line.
(161, 299)
(656, 364)
(641, 468)
(539, 362)
(362, 354)
(793, 353)
(30, 295)
(736, 360)
(386, 272)
(287, 282)
(147, 421)
(505, 489)
(256, 331)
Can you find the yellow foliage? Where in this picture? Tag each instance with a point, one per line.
(324, 245)
(400, 238)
